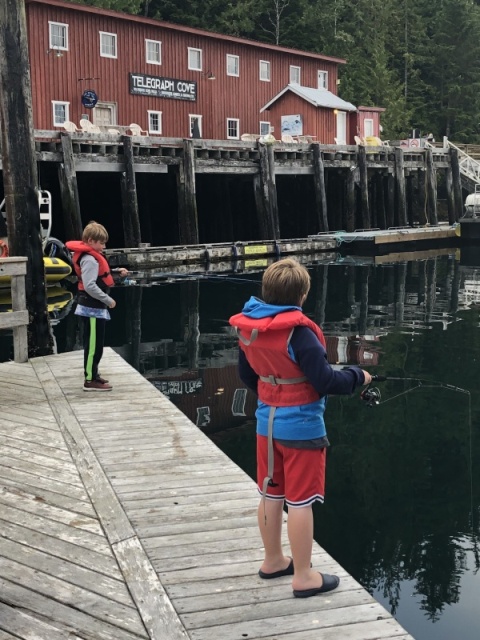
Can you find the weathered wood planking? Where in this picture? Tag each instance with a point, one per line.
(179, 519)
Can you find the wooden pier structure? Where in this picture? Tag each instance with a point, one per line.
(194, 191)
(121, 520)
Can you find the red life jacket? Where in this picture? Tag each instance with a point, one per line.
(266, 349)
(80, 248)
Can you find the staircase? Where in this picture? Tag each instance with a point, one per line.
(469, 166)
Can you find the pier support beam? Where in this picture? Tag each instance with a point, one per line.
(269, 192)
(431, 188)
(401, 202)
(362, 165)
(350, 208)
(319, 185)
(457, 183)
(187, 202)
(450, 196)
(131, 220)
(390, 180)
(380, 202)
(67, 178)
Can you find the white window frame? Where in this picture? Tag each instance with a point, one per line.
(155, 132)
(111, 35)
(295, 71)
(266, 125)
(236, 63)
(148, 60)
(370, 121)
(55, 103)
(55, 45)
(191, 118)
(191, 51)
(237, 126)
(322, 79)
(264, 70)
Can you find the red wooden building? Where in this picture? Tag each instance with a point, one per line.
(115, 69)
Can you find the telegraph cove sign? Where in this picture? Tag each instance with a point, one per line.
(143, 85)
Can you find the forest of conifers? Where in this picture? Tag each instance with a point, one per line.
(420, 59)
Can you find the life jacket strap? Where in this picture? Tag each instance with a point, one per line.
(273, 380)
(246, 341)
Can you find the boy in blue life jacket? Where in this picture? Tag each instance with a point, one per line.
(94, 282)
(283, 359)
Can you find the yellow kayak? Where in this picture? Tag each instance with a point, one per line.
(57, 298)
(55, 270)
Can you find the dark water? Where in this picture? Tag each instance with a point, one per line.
(402, 504)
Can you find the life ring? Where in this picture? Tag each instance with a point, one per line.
(3, 249)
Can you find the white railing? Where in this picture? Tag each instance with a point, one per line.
(469, 167)
(17, 319)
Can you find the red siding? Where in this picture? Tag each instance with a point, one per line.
(60, 78)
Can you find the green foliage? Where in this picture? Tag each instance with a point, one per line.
(416, 58)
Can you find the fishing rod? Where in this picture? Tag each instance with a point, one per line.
(373, 397)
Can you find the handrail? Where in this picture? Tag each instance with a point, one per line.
(468, 166)
(16, 269)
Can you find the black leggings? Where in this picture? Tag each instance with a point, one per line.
(93, 339)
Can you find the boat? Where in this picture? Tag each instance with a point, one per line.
(57, 299)
(57, 258)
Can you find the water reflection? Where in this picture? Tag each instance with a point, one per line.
(402, 507)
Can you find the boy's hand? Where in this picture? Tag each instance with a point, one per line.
(112, 305)
(368, 377)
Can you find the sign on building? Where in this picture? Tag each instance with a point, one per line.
(142, 84)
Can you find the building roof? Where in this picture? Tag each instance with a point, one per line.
(77, 6)
(317, 97)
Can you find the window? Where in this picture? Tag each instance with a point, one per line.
(264, 128)
(368, 127)
(155, 122)
(323, 79)
(108, 45)
(265, 70)
(194, 59)
(294, 75)
(61, 113)
(153, 51)
(195, 125)
(233, 65)
(233, 127)
(58, 36)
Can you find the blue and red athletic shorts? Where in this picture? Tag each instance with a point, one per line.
(298, 474)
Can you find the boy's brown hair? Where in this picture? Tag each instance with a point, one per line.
(95, 231)
(285, 283)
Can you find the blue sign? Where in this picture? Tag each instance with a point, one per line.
(89, 99)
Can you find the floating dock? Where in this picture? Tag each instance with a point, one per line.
(121, 520)
(367, 240)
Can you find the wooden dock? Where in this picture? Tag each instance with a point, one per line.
(121, 520)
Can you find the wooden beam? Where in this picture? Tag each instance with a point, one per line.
(131, 220)
(67, 178)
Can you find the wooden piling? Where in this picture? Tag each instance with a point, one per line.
(319, 186)
(409, 188)
(380, 202)
(450, 196)
(67, 178)
(390, 179)
(457, 183)
(350, 201)
(131, 220)
(269, 190)
(400, 200)
(187, 202)
(362, 165)
(431, 188)
(20, 177)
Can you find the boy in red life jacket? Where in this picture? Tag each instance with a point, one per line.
(94, 282)
(283, 360)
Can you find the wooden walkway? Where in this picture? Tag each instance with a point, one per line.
(120, 520)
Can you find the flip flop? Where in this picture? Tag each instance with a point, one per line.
(277, 574)
(329, 584)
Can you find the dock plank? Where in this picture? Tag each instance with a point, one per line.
(135, 525)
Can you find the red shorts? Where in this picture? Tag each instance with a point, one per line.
(298, 474)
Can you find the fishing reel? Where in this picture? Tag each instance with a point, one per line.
(371, 395)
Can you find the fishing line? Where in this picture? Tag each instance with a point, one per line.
(373, 398)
